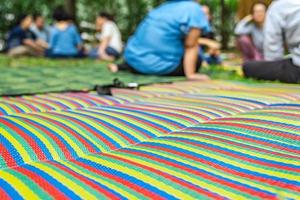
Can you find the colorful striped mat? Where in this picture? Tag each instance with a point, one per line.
(188, 140)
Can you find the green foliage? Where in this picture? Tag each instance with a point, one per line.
(223, 24)
(128, 12)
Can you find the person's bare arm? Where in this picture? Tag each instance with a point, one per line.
(32, 44)
(191, 56)
(42, 44)
(212, 44)
(244, 27)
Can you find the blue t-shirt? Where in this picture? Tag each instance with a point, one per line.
(17, 36)
(64, 42)
(157, 47)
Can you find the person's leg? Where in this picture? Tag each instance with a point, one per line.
(52, 55)
(93, 53)
(179, 71)
(213, 57)
(248, 50)
(282, 70)
(19, 51)
(81, 54)
(35, 52)
(213, 60)
(112, 52)
(122, 67)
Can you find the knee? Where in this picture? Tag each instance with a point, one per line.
(244, 40)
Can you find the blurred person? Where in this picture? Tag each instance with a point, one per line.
(21, 41)
(210, 49)
(40, 30)
(282, 29)
(110, 46)
(64, 38)
(166, 41)
(249, 32)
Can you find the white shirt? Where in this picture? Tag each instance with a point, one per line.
(111, 30)
(283, 27)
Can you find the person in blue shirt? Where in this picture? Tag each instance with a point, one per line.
(166, 42)
(64, 38)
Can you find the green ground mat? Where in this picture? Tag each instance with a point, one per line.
(40, 75)
(26, 76)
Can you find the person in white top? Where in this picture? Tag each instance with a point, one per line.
(110, 46)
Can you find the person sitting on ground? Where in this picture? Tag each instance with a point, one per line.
(110, 47)
(249, 31)
(208, 42)
(40, 30)
(21, 41)
(282, 29)
(166, 42)
(64, 39)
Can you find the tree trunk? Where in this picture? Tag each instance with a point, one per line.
(71, 8)
(224, 33)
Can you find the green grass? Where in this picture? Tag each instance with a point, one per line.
(40, 75)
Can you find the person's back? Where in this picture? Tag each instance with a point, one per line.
(64, 41)
(64, 38)
(110, 41)
(157, 46)
(111, 30)
(283, 28)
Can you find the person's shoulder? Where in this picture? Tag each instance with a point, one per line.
(194, 5)
(52, 28)
(73, 28)
(277, 9)
(33, 27)
(16, 29)
(110, 24)
(275, 5)
(279, 5)
(193, 8)
(181, 4)
(107, 24)
(247, 23)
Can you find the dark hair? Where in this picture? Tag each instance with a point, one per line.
(60, 14)
(258, 3)
(36, 16)
(20, 18)
(106, 15)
